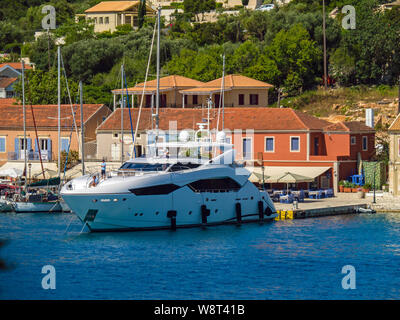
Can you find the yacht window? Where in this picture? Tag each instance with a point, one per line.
(183, 166)
(215, 185)
(144, 166)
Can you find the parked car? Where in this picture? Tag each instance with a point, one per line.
(266, 7)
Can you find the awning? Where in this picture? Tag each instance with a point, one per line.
(50, 168)
(270, 171)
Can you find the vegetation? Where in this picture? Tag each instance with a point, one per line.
(282, 46)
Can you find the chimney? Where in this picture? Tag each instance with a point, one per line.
(369, 118)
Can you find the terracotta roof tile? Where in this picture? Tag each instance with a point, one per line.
(166, 83)
(15, 65)
(8, 101)
(112, 6)
(233, 81)
(349, 126)
(6, 82)
(45, 116)
(235, 118)
(395, 126)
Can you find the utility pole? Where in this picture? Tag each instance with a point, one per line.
(324, 36)
(82, 128)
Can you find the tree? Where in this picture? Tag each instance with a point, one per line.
(41, 87)
(297, 58)
(76, 31)
(142, 13)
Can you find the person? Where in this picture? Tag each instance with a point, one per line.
(94, 181)
(103, 169)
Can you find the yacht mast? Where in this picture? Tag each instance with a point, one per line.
(24, 112)
(59, 110)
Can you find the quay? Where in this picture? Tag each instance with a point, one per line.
(341, 204)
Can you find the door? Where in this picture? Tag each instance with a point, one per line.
(217, 98)
(247, 148)
(115, 151)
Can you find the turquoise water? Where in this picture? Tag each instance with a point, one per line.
(298, 259)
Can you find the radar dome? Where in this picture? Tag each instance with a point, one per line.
(221, 136)
(184, 136)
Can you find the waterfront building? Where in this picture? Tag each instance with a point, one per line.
(170, 92)
(285, 139)
(181, 92)
(394, 156)
(12, 144)
(238, 91)
(9, 75)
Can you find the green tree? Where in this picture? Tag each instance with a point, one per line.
(142, 13)
(41, 87)
(297, 58)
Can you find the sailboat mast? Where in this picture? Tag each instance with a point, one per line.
(24, 112)
(82, 128)
(122, 114)
(59, 109)
(158, 75)
(223, 93)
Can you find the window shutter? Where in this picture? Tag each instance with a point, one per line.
(50, 154)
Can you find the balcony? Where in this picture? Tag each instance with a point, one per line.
(31, 156)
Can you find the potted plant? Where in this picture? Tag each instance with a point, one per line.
(341, 185)
(354, 188)
(347, 187)
(366, 187)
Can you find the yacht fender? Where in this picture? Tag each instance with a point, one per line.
(172, 215)
(261, 211)
(204, 214)
(238, 213)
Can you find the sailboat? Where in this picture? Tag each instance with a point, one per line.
(178, 185)
(38, 198)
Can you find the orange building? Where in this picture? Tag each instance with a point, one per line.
(12, 144)
(285, 139)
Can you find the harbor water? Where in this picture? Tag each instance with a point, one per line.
(291, 259)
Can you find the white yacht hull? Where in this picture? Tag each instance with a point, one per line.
(119, 212)
(102, 210)
(27, 207)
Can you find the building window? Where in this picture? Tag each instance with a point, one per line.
(195, 99)
(269, 144)
(43, 144)
(365, 143)
(106, 20)
(64, 144)
(254, 99)
(353, 140)
(241, 99)
(101, 20)
(294, 144)
(95, 20)
(2, 144)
